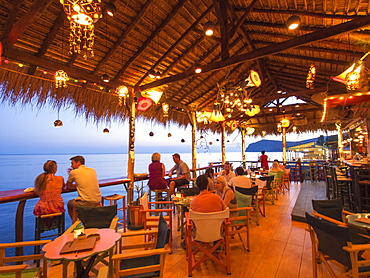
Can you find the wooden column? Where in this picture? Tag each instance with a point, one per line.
(193, 142)
(223, 137)
(368, 136)
(244, 158)
(283, 142)
(340, 139)
(131, 148)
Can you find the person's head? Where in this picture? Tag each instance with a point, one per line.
(156, 157)
(220, 183)
(227, 166)
(50, 167)
(209, 172)
(176, 158)
(263, 152)
(275, 160)
(239, 171)
(275, 165)
(76, 161)
(202, 182)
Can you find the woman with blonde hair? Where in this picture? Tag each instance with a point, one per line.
(157, 171)
(225, 192)
(49, 188)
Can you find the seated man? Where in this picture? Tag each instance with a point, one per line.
(182, 172)
(206, 201)
(85, 180)
(240, 180)
(226, 172)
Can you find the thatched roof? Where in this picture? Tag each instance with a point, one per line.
(167, 36)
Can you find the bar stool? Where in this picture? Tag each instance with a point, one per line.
(113, 199)
(158, 194)
(48, 222)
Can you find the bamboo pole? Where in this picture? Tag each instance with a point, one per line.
(284, 144)
(223, 147)
(340, 139)
(131, 148)
(244, 158)
(193, 142)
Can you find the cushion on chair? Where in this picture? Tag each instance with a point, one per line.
(140, 262)
(331, 208)
(268, 180)
(163, 233)
(97, 217)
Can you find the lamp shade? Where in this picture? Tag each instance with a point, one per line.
(293, 22)
(105, 130)
(216, 115)
(110, 9)
(153, 95)
(209, 28)
(105, 78)
(197, 68)
(58, 123)
(285, 122)
(144, 104)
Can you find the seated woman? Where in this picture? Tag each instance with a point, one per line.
(157, 171)
(281, 166)
(226, 194)
(276, 171)
(49, 188)
(210, 176)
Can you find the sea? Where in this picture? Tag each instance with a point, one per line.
(19, 171)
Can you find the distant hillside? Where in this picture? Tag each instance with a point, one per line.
(274, 145)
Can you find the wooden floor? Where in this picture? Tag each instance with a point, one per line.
(280, 247)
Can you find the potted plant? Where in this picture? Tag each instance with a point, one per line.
(135, 219)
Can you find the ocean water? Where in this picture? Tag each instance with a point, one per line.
(19, 171)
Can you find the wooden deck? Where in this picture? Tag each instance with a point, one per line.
(280, 247)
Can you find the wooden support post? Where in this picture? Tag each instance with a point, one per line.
(284, 144)
(223, 137)
(244, 159)
(193, 142)
(19, 218)
(340, 139)
(131, 148)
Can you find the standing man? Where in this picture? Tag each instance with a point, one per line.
(226, 172)
(85, 180)
(182, 172)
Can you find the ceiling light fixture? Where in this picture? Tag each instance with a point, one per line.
(122, 92)
(105, 78)
(82, 14)
(197, 68)
(151, 74)
(209, 28)
(293, 22)
(61, 78)
(216, 114)
(105, 130)
(110, 9)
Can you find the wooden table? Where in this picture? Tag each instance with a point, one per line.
(107, 242)
(352, 220)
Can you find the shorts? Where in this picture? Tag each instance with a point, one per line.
(181, 182)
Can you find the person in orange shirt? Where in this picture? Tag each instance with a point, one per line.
(206, 201)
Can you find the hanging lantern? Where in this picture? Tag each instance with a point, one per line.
(182, 140)
(58, 123)
(61, 79)
(169, 135)
(278, 127)
(285, 122)
(122, 92)
(105, 130)
(294, 129)
(311, 76)
(82, 14)
(165, 108)
(203, 117)
(232, 124)
(249, 130)
(216, 114)
(144, 104)
(263, 133)
(153, 95)
(151, 133)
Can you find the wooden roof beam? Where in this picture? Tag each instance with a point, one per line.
(34, 13)
(12, 16)
(269, 50)
(242, 18)
(191, 28)
(123, 36)
(221, 12)
(169, 17)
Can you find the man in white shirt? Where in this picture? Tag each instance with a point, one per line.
(239, 180)
(85, 180)
(226, 172)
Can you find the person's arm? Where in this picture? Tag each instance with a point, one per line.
(228, 197)
(171, 171)
(163, 170)
(70, 184)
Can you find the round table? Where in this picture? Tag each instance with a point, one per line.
(352, 219)
(108, 239)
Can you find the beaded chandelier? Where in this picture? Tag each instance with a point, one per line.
(82, 14)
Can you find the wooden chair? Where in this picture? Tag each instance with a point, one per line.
(22, 270)
(212, 243)
(113, 200)
(239, 224)
(253, 201)
(141, 263)
(332, 243)
(150, 215)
